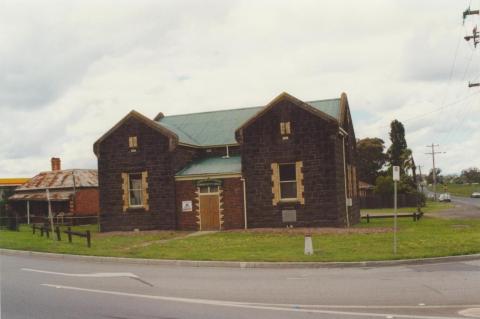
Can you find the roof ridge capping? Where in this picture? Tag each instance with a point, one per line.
(286, 96)
(206, 112)
(151, 123)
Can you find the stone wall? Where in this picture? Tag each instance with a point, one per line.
(315, 142)
(153, 156)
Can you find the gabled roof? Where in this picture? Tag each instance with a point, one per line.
(218, 127)
(142, 118)
(213, 166)
(61, 180)
(303, 105)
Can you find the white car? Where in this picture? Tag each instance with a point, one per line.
(475, 195)
(445, 197)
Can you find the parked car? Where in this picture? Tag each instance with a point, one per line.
(445, 197)
(475, 195)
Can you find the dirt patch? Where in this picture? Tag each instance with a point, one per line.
(317, 231)
(165, 233)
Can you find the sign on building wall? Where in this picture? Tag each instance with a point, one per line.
(187, 206)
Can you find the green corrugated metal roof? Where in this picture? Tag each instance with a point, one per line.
(218, 127)
(213, 165)
(330, 107)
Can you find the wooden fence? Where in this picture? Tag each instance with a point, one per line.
(45, 229)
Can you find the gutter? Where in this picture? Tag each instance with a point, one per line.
(244, 202)
(343, 133)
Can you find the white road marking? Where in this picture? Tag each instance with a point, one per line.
(472, 312)
(237, 304)
(92, 275)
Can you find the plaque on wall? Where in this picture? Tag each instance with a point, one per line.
(187, 206)
(289, 215)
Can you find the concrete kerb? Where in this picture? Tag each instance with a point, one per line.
(241, 264)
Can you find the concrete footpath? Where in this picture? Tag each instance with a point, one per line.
(241, 264)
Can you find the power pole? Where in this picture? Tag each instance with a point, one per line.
(475, 35)
(469, 12)
(420, 182)
(471, 85)
(434, 171)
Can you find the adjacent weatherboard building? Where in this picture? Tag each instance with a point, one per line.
(289, 163)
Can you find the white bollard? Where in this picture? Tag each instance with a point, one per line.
(308, 245)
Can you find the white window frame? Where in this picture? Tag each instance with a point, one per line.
(209, 192)
(280, 182)
(136, 189)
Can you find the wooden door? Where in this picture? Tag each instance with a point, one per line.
(209, 212)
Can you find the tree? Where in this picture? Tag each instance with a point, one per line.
(370, 158)
(384, 185)
(438, 175)
(471, 175)
(396, 151)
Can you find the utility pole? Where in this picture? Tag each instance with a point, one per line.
(421, 177)
(475, 35)
(469, 12)
(434, 171)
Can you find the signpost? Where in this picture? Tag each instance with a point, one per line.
(396, 178)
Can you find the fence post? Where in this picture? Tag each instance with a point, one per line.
(41, 231)
(33, 229)
(368, 218)
(69, 232)
(57, 231)
(88, 239)
(47, 231)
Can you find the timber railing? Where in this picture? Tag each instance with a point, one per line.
(416, 216)
(44, 229)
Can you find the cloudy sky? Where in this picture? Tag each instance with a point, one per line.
(69, 70)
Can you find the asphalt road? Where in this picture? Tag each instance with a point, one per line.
(37, 287)
(475, 202)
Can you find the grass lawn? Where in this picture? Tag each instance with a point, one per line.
(464, 190)
(428, 237)
(102, 244)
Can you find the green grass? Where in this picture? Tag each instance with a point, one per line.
(102, 244)
(464, 190)
(428, 237)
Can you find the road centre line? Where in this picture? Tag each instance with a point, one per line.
(241, 304)
(93, 275)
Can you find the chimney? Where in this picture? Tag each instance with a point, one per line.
(56, 164)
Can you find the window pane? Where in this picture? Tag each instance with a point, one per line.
(288, 190)
(135, 181)
(203, 189)
(213, 189)
(287, 172)
(136, 198)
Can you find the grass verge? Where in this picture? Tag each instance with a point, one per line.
(429, 237)
(463, 190)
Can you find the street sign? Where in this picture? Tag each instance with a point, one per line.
(396, 173)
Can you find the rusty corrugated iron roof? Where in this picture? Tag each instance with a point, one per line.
(62, 179)
(55, 196)
(13, 181)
